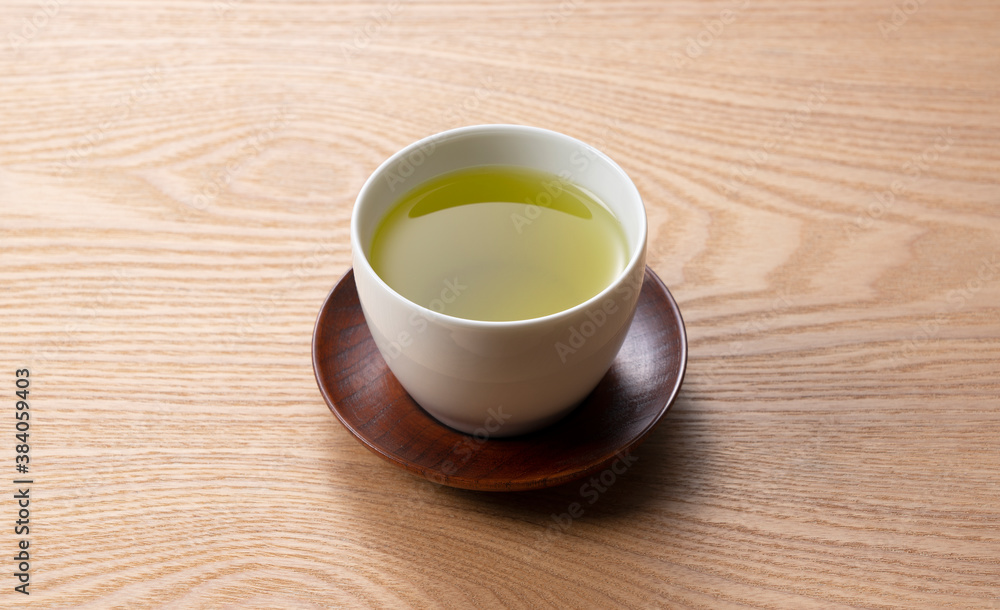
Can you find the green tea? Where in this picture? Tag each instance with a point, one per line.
(498, 243)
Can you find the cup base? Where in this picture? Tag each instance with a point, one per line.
(489, 428)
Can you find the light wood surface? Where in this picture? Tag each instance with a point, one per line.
(176, 181)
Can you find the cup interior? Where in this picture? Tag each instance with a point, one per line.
(514, 145)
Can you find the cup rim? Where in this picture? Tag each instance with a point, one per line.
(636, 256)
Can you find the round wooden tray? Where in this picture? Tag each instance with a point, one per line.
(365, 396)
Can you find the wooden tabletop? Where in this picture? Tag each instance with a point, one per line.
(821, 182)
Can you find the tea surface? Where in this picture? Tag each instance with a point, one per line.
(498, 243)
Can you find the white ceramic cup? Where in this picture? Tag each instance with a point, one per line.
(498, 378)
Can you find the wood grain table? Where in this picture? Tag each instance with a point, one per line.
(821, 180)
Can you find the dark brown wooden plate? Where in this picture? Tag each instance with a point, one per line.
(365, 396)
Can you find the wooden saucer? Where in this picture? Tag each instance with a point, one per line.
(365, 396)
